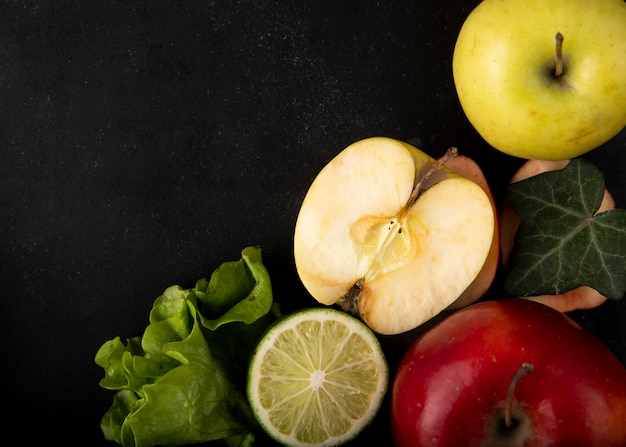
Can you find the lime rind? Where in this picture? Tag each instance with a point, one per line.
(317, 378)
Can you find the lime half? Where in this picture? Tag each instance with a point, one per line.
(317, 377)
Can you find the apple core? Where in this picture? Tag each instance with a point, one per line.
(385, 244)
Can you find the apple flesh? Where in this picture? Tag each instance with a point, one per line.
(365, 240)
(468, 168)
(582, 297)
(505, 73)
(460, 382)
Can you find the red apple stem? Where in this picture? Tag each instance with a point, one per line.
(558, 68)
(450, 153)
(523, 370)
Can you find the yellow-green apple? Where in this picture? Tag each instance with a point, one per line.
(543, 79)
(582, 297)
(395, 236)
(508, 372)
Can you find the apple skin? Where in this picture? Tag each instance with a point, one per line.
(503, 71)
(451, 386)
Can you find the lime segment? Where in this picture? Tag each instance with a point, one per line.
(317, 378)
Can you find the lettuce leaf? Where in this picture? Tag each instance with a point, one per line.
(183, 381)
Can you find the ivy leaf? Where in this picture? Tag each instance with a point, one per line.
(563, 242)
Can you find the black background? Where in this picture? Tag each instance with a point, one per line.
(145, 143)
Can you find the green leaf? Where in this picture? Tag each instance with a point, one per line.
(238, 291)
(111, 357)
(563, 242)
(196, 400)
(183, 381)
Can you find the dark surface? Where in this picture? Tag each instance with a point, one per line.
(143, 144)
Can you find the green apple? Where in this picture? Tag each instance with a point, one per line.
(543, 79)
(394, 236)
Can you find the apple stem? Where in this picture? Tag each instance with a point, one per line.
(523, 370)
(450, 153)
(558, 69)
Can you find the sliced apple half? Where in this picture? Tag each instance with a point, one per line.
(582, 297)
(392, 235)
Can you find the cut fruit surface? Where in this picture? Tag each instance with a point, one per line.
(468, 168)
(366, 240)
(317, 378)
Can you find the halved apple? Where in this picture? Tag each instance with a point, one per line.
(582, 297)
(393, 235)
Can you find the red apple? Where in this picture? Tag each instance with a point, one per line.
(509, 372)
